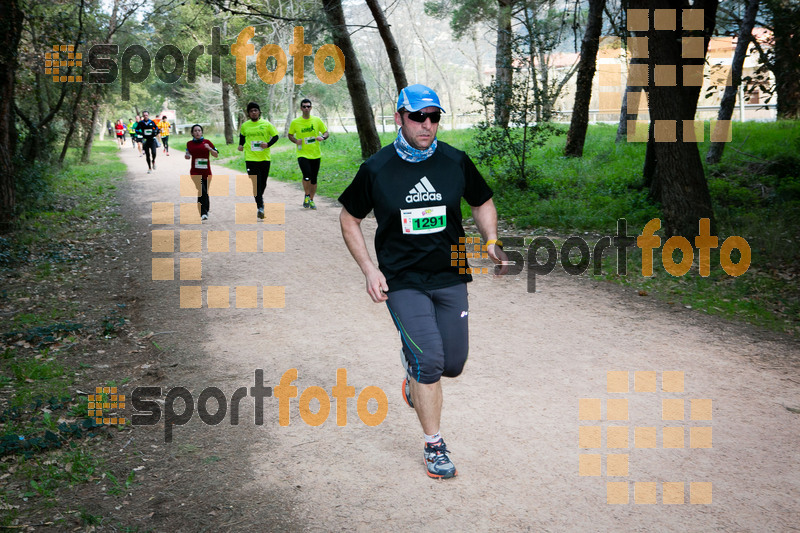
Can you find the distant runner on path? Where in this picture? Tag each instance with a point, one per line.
(415, 188)
(307, 132)
(255, 137)
(148, 131)
(198, 150)
(119, 127)
(164, 126)
(132, 131)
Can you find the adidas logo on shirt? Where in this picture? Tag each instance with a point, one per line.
(423, 192)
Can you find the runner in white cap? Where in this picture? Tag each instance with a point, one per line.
(415, 186)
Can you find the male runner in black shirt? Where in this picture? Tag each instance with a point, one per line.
(415, 187)
(149, 132)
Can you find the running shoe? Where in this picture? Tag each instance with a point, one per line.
(407, 392)
(311, 204)
(203, 217)
(154, 165)
(260, 212)
(437, 461)
(306, 202)
(149, 171)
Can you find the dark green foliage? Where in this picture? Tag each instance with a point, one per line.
(35, 438)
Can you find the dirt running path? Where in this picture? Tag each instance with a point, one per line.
(512, 419)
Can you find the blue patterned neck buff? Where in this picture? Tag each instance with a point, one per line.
(408, 152)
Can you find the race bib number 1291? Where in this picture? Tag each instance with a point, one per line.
(424, 220)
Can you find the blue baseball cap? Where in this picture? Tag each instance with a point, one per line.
(416, 97)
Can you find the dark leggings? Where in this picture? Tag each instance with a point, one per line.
(259, 169)
(150, 146)
(309, 168)
(165, 140)
(433, 327)
(203, 199)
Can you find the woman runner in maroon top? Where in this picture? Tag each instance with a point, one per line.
(198, 150)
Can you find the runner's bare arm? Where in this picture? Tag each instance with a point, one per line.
(354, 239)
(485, 216)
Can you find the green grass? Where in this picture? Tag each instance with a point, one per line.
(74, 466)
(62, 209)
(74, 193)
(755, 192)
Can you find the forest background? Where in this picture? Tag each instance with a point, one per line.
(517, 78)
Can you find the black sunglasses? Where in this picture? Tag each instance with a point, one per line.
(420, 116)
(306, 105)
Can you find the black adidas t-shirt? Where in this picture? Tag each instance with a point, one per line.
(418, 209)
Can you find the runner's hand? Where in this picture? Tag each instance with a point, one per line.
(498, 257)
(377, 287)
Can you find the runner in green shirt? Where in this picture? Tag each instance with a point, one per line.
(131, 128)
(307, 132)
(255, 137)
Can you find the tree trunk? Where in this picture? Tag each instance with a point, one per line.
(291, 103)
(89, 141)
(226, 112)
(97, 99)
(365, 120)
(586, 68)
(678, 180)
(786, 22)
(624, 113)
(73, 121)
(429, 53)
(479, 70)
(238, 106)
(10, 31)
(395, 61)
(729, 97)
(622, 127)
(502, 63)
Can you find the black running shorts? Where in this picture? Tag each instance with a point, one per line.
(309, 168)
